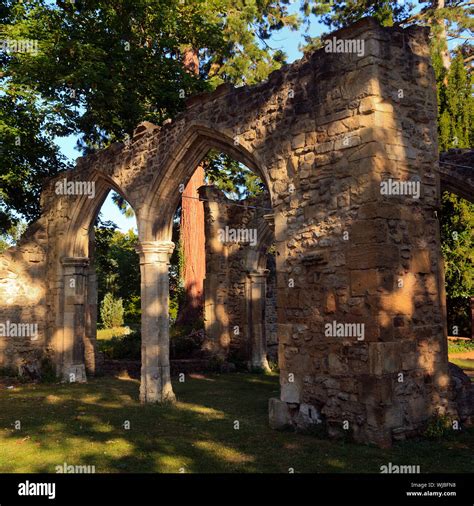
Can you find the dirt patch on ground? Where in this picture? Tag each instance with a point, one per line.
(467, 355)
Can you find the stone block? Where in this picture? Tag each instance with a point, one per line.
(298, 141)
(371, 256)
(375, 390)
(368, 231)
(75, 373)
(330, 303)
(421, 261)
(307, 417)
(336, 364)
(279, 414)
(365, 281)
(290, 390)
(384, 358)
(385, 210)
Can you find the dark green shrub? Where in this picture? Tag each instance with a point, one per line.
(439, 426)
(48, 371)
(8, 372)
(133, 311)
(111, 311)
(125, 347)
(185, 342)
(215, 364)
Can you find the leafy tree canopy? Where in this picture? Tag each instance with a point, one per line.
(103, 66)
(232, 177)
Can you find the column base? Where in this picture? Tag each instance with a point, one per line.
(156, 387)
(260, 364)
(75, 373)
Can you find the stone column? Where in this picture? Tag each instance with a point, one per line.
(90, 337)
(216, 282)
(75, 270)
(155, 383)
(257, 283)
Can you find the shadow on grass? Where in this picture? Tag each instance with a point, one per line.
(216, 426)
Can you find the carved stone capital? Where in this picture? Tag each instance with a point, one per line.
(155, 251)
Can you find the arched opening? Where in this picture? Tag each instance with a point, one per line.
(229, 328)
(83, 290)
(457, 197)
(235, 201)
(114, 289)
(456, 236)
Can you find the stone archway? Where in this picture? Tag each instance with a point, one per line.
(160, 203)
(323, 133)
(75, 304)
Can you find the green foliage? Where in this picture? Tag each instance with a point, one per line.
(111, 311)
(460, 346)
(132, 309)
(123, 347)
(118, 267)
(8, 372)
(174, 307)
(12, 236)
(342, 13)
(232, 177)
(459, 315)
(456, 105)
(274, 366)
(457, 246)
(48, 371)
(103, 67)
(457, 224)
(105, 264)
(438, 427)
(185, 342)
(123, 205)
(27, 154)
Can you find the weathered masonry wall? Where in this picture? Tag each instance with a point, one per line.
(238, 238)
(271, 317)
(358, 256)
(323, 133)
(23, 301)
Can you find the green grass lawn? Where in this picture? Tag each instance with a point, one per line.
(84, 425)
(106, 334)
(460, 345)
(464, 363)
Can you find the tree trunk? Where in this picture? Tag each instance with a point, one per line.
(445, 57)
(192, 232)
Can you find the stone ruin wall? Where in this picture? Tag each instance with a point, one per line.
(323, 133)
(23, 300)
(226, 287)
(347, 246)
(271, 318)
